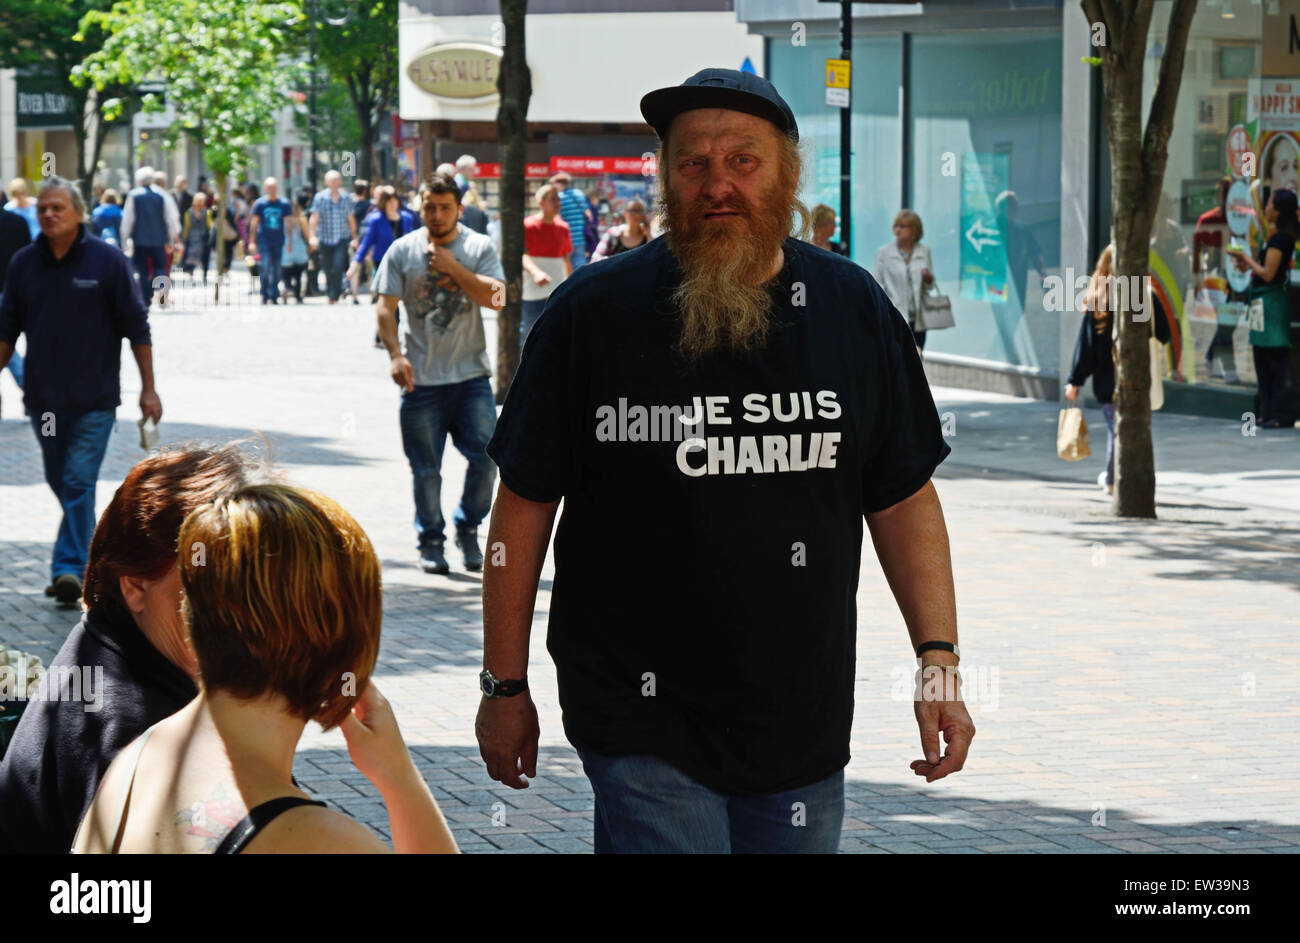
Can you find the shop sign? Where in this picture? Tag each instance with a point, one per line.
(595, 166)
(463, 71)
(492, 171)
(983, 247)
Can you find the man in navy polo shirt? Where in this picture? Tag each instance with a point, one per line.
(74, 297)
(720, 410)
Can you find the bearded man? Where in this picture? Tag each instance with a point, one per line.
(719, 409)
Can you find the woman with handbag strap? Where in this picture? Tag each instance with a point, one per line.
(1094, 357)
(1270, 311)
(903, 269)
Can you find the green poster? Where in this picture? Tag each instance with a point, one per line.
(983, 246)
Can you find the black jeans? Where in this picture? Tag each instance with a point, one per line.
(292, 275)
(1276, 388)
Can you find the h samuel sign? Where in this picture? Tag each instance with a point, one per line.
(456, 70)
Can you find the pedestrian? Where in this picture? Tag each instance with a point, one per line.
(1270, 312)
(21, 202)
(576, 212)
(466, 171)
(287, 601)
(197, 236)
(266, 231)
(332, 231)
(361, 207)
(1094, 356)
(1022, 246)
(148, 224)
(14, 235)
(904, 271)
(389, 222)
(547, 259)
(631, 234)
(823, 227)
(726, 393)
(132, 630)
(181, 194)
(1208, 272)
(172, 249)
(106, 218)
(294, 258)
(72, 295)
(443, 273)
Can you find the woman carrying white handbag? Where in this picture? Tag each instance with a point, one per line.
(904, 271)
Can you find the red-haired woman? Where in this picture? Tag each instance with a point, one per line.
(128, 655)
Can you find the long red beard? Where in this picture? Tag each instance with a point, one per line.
(723, 298)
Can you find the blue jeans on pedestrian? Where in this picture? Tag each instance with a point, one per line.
(532, 311)
(334, 260)
(579, 256)
(150, 264)
(467, 411)
(646, 805)
(1108, 413)
(272, 256)
(72, 453)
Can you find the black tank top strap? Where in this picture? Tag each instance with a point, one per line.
(256, 820)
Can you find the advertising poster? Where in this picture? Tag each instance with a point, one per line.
(1273, 112)
(983, 248)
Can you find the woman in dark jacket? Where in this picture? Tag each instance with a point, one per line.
(129, 651)
(1094, 354)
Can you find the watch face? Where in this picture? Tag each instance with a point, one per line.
(486, 684)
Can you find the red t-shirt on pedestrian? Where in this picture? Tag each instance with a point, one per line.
(547, 240)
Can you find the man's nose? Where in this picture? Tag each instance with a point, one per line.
(717, 184)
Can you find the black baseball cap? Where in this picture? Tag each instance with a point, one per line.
(719, 88)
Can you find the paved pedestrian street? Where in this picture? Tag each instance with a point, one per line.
(1134, 684)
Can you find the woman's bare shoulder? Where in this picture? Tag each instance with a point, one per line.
(315, 830)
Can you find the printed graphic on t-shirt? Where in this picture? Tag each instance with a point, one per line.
(716, 435)
(439, 299)
(273, 217)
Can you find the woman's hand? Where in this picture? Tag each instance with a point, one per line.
(1071, 392)
(926, 276)
(375, 743)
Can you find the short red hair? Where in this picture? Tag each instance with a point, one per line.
(136, 534)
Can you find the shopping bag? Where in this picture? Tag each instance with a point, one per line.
(1072, 435)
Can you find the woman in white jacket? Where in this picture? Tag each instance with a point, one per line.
(903, 269)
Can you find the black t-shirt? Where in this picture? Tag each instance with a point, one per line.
(1286, 244)
(703, 608)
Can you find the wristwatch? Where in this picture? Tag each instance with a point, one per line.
(494, 688)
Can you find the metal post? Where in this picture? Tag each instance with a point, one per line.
(846, 139)
(311, 106)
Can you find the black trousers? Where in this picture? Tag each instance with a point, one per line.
(1276, 387)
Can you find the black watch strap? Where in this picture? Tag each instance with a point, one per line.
(936, 646)
(492, 687)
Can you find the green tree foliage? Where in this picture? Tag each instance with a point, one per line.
(222, 63)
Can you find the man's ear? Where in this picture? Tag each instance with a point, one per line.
(132, 589)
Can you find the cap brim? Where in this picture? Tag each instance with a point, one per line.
(662, 105)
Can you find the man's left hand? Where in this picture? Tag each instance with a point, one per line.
(441, 259)
(942, 714)
(150, 406)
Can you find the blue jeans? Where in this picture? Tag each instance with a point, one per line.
(1108, 413)
(334, 260)
(532, 311)
(270, 268)
(150, 265)
(16, 367)
(579, 256)
(469, 413)
(72, 456)
(647, 805)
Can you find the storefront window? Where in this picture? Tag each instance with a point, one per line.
(799, 73)
(986, 182)
(1217, 123)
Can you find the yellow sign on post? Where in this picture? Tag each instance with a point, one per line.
(837, 73)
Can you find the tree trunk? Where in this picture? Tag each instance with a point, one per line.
(1138, 160)
(85, 176)
(220, 223)
(515, 85)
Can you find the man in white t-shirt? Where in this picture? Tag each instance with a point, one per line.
(547, 250)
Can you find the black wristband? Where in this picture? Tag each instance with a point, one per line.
(935, 646)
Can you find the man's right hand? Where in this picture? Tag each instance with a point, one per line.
(403, 373)
(541, 279)
(507, 733)
(314, 243)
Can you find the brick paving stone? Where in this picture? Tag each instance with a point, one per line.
(1174, 751)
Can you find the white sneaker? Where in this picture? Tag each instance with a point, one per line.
(1101, 481)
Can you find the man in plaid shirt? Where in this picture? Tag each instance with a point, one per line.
(332, 228)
